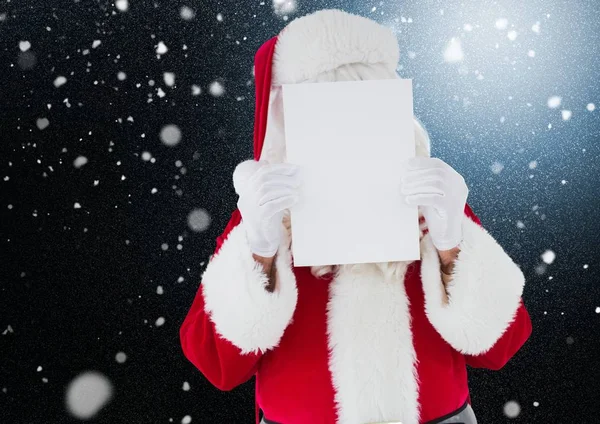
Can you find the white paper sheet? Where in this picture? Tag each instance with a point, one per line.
(350, 140)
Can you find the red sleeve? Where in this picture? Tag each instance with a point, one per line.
(511, 341)
(507, 346)
(219, 360)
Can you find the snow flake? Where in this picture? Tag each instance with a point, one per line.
(453, 52)
(512, 35)
(87, 394)
(501, 23)
(60, 80)
(160, 321)
(24, 45)
(591, 107)
(159, 290)
(96, 43)
(533, 164)
(531, 53)
(169, 78)
(536, 404)
(170, 135)
(216, 89)
(186, 420)
(196, 90)
(520, 225)
(187, 13)
(121, 76)
(186, 386)
(219, 17)
(554, 102)
(468, 27)
(121, 357)
(536, 27)
(598, 309)
(585, 266)
(496, 167)
(284, 7)
(77, 205)
(512, 409)
(161, 48)
(42, 123)
(122, 5)
(199, 220)
(566, 114)
(548, 256)
(80, 161)
(146, 156)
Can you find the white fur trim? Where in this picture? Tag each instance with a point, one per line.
(243, 311)
(372, 358)
(324, 40)
(484, 293)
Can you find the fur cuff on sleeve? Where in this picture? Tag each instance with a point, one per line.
(483, 295)
(243, 311)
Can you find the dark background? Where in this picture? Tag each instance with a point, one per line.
(81, 284)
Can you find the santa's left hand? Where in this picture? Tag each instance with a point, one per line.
(441, 192)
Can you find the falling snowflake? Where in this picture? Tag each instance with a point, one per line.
(284, 7)
(80, 161)
(121, 357)
(501, 23)
(24, 45)
(531, 53)
(186, 386)
(186, 420)
(170, 135)
(161, 48)
(548, 256)
(512, 35)
(591, 107)
(554, 102)
(121, 76)
(87, 394)
(199, 220)
(512, 409)
(219, 17)
(122, 5)
(59, 81)
(160, 321)
(536, 27)
(533, 164)
(186, 13)
(453, 52)
(96, 43)
(566, 115)
(169, 78)
(42, 123)
(497, 167)
(216, 89)
(196, 90)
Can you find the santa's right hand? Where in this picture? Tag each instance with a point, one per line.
(265, 192)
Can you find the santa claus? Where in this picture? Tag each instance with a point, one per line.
(361, 343)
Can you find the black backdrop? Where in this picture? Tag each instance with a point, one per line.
(86, 248)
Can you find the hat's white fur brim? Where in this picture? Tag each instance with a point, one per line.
(327, 39)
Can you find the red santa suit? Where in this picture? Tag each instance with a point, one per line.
(352, 347)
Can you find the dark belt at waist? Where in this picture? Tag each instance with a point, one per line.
(436, 421)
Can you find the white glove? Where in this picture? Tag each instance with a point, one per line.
(265, 192)
(441, 192)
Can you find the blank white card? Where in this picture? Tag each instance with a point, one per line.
(350, 140)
